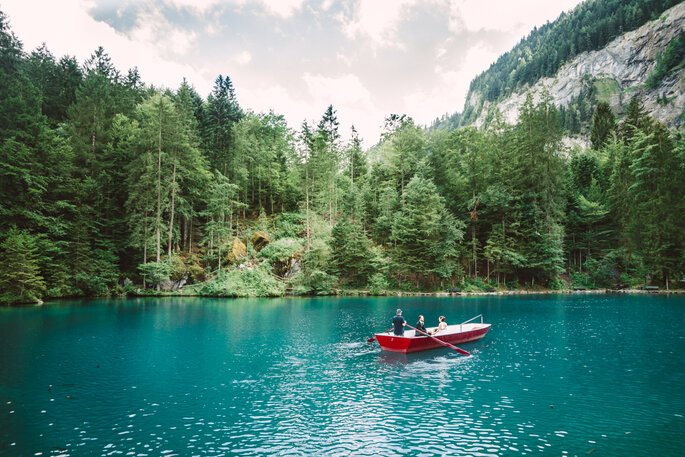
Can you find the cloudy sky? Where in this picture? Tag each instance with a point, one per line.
(369, 58)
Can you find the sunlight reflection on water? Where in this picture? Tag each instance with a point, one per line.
(162, 377)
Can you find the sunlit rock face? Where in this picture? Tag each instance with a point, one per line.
(618, 71)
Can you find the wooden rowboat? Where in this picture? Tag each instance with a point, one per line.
(453, 334)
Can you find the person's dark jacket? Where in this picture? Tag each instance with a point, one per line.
(420, 326)
(398, 324)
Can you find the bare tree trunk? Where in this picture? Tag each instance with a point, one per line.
(190, 232)
(271, 193)
(475, 255)
(158, 221)
(145, 246)
(173, 195)
(330, 206)
(92, 157)
(306, 190)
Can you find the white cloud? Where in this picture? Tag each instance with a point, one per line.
(376, 20)
(282, 8)
(326, 5)
(199, 6)
(369, 81)
(517, 16)
(449, 92)
(344, 59)
(347, 88)
(350, 98)
(153, 28)
(85, 34)
(243, 58)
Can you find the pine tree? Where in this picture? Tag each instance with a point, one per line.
(603, 124)
(20, 281)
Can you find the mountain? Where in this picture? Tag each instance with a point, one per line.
(646, 62)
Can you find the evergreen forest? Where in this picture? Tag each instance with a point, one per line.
(110, 186)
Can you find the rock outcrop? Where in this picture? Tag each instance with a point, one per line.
(259, 240)
(619, 71)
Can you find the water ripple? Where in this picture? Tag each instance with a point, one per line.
(182, 379)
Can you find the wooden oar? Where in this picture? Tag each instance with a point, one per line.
(461, 351)
(374, 337)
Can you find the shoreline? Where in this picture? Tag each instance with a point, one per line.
(391, 293)
(399, 293)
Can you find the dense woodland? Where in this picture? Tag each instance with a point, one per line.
(111, 186)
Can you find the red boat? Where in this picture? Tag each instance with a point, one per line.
(453, 334)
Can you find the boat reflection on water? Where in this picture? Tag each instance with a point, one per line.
(399, 358)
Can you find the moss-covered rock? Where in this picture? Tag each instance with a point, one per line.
(238, 251)
(259, 240)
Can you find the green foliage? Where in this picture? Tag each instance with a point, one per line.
(280, 253)
(90, 284)
(673, 57)
(103, 178)
(603, 124)
(314, 282)
(425, 235)
(556, 283)
(156, 272)
(20, 280)
(281, 250)
(350, 252)
(595, 275)
(378, 284)
(588, 27)
(248, 281)
(289, 225)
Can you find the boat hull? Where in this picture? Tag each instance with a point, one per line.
(454, 334)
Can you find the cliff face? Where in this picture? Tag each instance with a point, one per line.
(619, 72)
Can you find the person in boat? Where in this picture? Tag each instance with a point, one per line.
(420, 326)
(441, 326)
(398, 323)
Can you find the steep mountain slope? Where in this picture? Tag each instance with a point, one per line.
(618, 72)
(614, 74)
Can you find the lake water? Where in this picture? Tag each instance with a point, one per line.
(556, 375)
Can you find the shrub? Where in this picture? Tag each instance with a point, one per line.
(20, 281)
(288, 225)
(378, 283)
(316, 282)
(556, 283)
(156, 272)
(90, 285)
(177, 267)
(280, 250)
(247, 281)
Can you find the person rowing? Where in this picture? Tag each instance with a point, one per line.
(398, 323)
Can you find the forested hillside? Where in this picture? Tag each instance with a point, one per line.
(574, 37)
(111, 186)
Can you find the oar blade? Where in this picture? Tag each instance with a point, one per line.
(461, 351)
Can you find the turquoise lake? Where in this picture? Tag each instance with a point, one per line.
(558, 375)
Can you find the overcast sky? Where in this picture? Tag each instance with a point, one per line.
(369, 58)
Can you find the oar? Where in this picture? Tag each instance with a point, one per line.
(461, 351)
(374, 337)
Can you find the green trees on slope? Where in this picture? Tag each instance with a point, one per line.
(103, 179)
